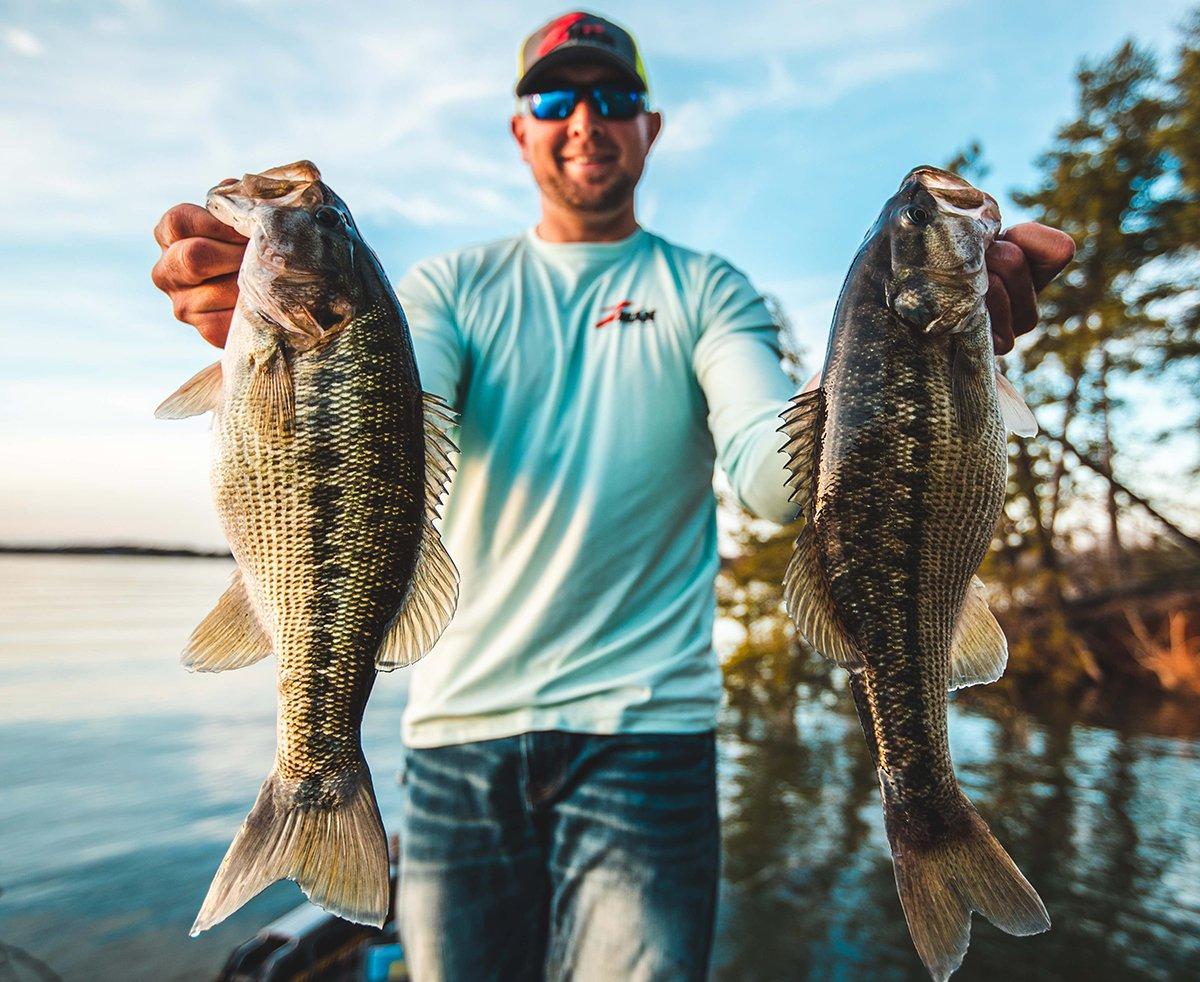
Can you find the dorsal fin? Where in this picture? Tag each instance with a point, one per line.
(802, 421)
(805, 592)
(433, 590)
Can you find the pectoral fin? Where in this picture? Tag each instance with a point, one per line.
(968, 388)
(979, 651)
(199, 394)
(271, 389)
(230, 636)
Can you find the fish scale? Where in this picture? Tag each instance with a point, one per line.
(899, 463)
(329, 466)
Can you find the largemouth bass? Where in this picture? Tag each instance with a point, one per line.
(329, 465)
(899, 465)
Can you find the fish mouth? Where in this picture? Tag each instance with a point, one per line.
(957, 196)
(297, 184)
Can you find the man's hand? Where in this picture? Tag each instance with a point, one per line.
(1020, 263)
(198, 269)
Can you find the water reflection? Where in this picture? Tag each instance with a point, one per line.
(1104, 823)
(124, 778)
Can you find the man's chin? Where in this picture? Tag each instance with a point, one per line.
(592, 196)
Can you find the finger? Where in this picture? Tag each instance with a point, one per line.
(1001, 315)
(1006, 260)
(189, 221)
(214, 295)
(190, 262)
(213, 326)
(1047, 250)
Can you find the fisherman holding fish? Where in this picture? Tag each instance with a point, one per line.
(560, 815)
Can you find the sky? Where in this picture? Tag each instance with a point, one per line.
(787, 126)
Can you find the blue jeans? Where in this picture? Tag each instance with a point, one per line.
(560, 856)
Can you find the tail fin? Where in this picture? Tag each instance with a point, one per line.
(338, 855)
(942, 882)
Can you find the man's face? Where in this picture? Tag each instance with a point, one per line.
(585, 163)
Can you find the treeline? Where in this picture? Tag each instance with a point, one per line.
(1095, 571)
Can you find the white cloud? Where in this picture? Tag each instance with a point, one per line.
(699, 122)
(717, 33)
(20, 41)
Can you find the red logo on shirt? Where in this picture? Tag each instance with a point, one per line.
(621, 312)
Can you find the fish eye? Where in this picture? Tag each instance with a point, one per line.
(916, 215)
(329, 217)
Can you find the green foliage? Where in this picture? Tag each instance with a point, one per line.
(1123, 179)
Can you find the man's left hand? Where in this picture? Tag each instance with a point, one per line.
(1020, 263)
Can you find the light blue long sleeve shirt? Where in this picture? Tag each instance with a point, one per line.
(597, 385)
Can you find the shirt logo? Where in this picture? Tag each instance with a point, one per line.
(622, 313)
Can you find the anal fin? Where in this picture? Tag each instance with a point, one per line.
(230, 636)
(979, 651)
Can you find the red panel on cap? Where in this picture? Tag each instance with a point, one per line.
(556, 33)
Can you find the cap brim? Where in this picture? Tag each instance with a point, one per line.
(577, 53)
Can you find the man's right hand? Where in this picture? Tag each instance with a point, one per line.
(198, 269)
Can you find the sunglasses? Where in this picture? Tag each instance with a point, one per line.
(610, 101)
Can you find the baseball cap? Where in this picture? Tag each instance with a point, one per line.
(574, 38)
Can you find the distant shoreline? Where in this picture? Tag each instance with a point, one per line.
(112, 550)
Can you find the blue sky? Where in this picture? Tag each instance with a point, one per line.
(787, 125)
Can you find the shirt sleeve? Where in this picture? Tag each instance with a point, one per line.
(427, 293)
(737, 362)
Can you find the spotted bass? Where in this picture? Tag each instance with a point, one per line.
(329, 465)
(898, 462)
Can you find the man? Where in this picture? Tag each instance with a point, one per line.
(560, 800)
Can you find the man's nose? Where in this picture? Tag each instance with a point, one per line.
(584, 121)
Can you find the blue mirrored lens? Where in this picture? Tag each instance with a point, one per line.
(614, 103)
(610, 102)
(553, 105)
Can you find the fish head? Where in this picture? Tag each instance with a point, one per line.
(939, 226)
(300, 271)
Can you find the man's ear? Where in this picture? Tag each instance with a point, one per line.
(517, 126)
(654, 122)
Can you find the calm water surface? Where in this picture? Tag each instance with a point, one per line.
(123, 778)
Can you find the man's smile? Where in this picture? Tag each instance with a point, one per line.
(589, 164)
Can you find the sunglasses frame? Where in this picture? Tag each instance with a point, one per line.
(591, 94)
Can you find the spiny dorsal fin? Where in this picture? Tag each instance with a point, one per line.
(1017, 416)
(433, 592)
(805, 592)
(439, 465)
(979, 650)
(230, 636)
(199, 394)
(801, 424)
(806, 598)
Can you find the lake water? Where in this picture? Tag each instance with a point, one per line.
(123, 778)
